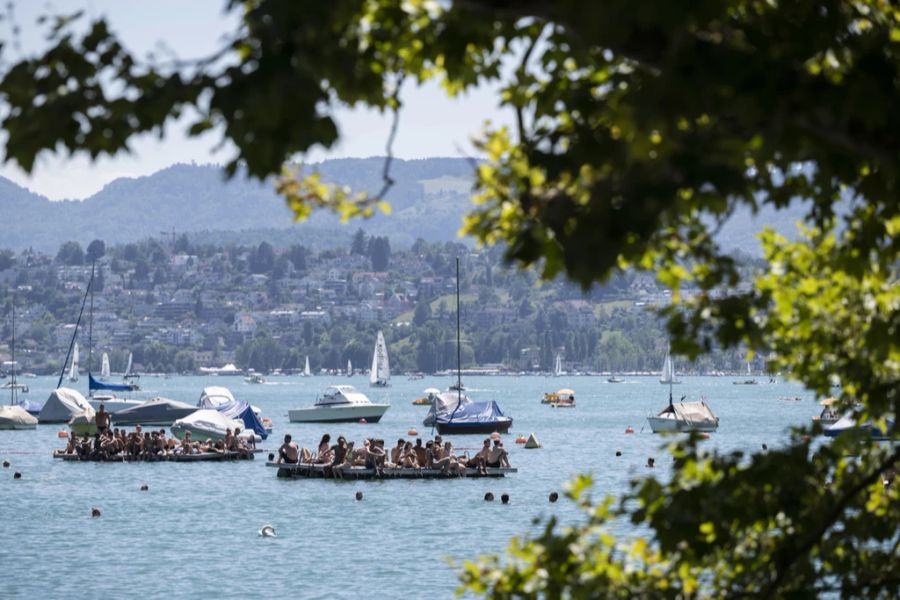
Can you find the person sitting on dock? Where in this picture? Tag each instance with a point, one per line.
(187, 446)
(72, 445)
(238, 444)
(397, 451)
(375, 457)
(480, 460)
(229, 439)
(408, 458)
(421, 454)
(339, 455)
(288, 453)
(361, 455)
(498, 457)
(323, 452)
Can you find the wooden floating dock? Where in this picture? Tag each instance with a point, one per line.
(316, 471)
(201, 457)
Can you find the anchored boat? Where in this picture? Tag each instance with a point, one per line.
(339, 403)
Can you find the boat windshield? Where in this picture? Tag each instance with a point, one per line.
(341, 394)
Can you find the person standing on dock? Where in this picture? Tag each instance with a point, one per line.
(102, 419)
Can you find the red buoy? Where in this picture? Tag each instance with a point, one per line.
(363, 421)
(521, 439)
(629, 429)
(412, 432)
(62, 434)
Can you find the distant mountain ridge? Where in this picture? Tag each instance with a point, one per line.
(429, 198)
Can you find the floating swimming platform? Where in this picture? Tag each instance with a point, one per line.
(314, 471)
(199, 457)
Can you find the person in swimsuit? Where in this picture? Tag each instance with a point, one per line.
(421, 455)
(408, 458)
(288, 453)
(339, 455)
(102, 419)
(397, 451)
(323, 452)
(498, 456)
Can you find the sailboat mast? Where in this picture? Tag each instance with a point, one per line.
(91, 320)
(12, 390)
(75, 333)
(458, 342)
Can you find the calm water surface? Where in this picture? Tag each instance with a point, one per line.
(195, 530)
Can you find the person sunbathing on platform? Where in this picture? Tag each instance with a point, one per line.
(498, 457)
(288, 452)
(323, 452)
(397, 451)
(408, 458)
(361, 455)
(480, 460)
(339, 455)
(421, 454)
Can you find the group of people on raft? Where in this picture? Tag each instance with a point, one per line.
(148, 445)
(434, 454)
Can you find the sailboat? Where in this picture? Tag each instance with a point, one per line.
(557, 368)
(15, 416)
(682, 416)
(380, 374)
(104, 366)
(129, 374)
(349, 368)
(459, 414)
(668, 369)
(110, 402)
(73, 370)
(306, 372)
(749, 381)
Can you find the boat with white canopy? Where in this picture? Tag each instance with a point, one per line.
(339, 403)
(208, 424)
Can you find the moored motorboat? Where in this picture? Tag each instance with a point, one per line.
(339, 403)
(158, 411)
(207, 424)
(15, 417)
(828, 416)
(62, 405)
(221, 399)
(683, 416)
(111, 403)
(848, 423)
(427, 399)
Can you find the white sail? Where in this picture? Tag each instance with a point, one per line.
(73, 370)
(557, 368)
(349, 368)
(128, 368)
(380, 374)
(104, 366)
(668, 369)
(306, 368)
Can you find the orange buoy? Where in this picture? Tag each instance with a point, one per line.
(629, 429)
(521, 439)
(62, 433)
(412, 432)
(363, 421)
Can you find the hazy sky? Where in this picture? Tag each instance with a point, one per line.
(430, 124)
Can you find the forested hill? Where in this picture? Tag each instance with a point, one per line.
(429, 198)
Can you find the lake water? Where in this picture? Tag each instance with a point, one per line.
(195, 531)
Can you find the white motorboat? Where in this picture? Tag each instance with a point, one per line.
(208, 424)
(668, 369)
(339, 403)
(111, 403)
(380, 375)
(255, 378)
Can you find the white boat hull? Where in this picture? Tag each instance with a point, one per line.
(338, 414)
(114, 404)
(671, 425)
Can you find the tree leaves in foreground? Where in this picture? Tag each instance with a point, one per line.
(640, 128)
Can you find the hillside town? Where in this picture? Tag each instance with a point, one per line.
(180, 306)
